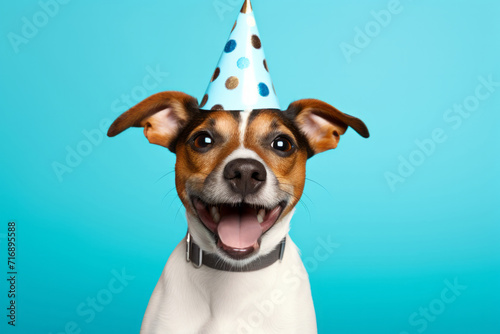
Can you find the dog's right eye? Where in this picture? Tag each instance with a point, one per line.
(203, 142)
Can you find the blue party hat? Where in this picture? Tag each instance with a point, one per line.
(241, 80)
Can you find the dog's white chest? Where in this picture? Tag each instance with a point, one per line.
(276, 299)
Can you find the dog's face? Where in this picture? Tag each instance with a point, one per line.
(238, 174)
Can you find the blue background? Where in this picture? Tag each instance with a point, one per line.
(115, 209)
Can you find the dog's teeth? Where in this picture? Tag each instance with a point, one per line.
(215, 214)
(260, 215)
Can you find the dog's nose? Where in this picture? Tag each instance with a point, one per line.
(245, 176)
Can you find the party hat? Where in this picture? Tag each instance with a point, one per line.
(241, 80)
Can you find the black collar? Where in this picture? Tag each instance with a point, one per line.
(198, 257)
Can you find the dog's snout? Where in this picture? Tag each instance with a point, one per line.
(245, 176)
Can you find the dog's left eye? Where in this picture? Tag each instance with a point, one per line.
(282, 144)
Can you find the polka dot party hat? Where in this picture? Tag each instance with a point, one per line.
(241, 80)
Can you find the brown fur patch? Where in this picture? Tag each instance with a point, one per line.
(181, 102)
(322, 123)
(322, 135)
(192, 167)
(290, 171)
(328, 112)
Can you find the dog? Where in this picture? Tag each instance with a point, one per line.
(239, 175)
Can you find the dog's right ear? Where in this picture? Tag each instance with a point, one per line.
(162, 115)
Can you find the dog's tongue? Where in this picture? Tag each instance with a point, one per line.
(238, 227)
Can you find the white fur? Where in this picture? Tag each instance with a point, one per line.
(273, 300)
(243, 124)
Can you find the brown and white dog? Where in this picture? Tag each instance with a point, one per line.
(239, 176)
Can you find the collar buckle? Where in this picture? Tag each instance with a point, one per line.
(191, 248)
(282, 249)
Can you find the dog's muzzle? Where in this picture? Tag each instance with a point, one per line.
(240, 216)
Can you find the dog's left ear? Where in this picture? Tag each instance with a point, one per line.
(323, 124)
(162, 115)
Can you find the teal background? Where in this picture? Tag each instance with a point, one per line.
(116, 208)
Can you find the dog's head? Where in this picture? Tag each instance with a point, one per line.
(239, 174)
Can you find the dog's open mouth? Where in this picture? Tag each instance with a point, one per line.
(237, 227)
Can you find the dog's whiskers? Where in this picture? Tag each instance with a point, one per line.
(322, 187)
(165, 175)
(168, 193)
(299, 200)
(177, 213)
